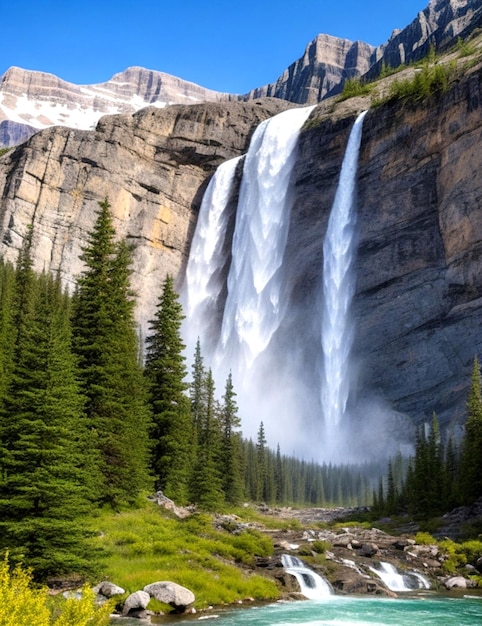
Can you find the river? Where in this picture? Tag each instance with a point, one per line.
(421, 609)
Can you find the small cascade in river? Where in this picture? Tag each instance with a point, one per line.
(400, 581)
(312, 585)
(337, 331)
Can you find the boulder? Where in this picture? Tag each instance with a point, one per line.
(369, 549)
(456, 582)
(343, 541)
(136, 601)
(108, 589)
(170, 593)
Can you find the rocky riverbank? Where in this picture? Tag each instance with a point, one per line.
(386, 559)
(349, 556)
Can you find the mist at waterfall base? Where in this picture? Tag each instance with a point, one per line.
(296, 380)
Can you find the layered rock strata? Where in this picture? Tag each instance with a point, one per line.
(30, 101)
(418, 306)
(152, 166)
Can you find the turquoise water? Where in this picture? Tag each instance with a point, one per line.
(343, 611)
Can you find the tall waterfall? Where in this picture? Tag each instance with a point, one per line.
(204, 283)
(253, 306)
(239, 312)
(338, 289)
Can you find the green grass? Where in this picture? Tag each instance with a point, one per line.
(146, 545)
(428, 80)
(354, 87)
(4, 151)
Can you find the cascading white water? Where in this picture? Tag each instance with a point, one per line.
(400, 581)
(312, 585)
(203, 283)
(338, 288)
(253, 308)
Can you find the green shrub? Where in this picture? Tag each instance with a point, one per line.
(455, 558)
(320, 546)
(354, 87)
(471, 549)
(428, 80)
(425, 539)
(464, 48)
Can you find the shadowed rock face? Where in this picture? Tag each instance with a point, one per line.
(153, 167)
(418, 306)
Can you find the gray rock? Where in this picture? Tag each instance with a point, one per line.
(137, 600)
(22, 89)
(170, 593)
(456, 582)
(108, 589)
(369, 549)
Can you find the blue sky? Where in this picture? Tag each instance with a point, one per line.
(229, 45)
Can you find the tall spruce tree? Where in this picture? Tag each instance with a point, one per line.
(471, 463)
(172, 431)
(7, 327)
(44, 480)
(231, 469)
(105, 341)
(262, 465)
(207, 484)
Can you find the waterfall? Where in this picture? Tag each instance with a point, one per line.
(253, 308)
(204, 282)
(312, 585)
(400, 581)
(338, 288)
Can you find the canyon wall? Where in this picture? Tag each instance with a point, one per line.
(418, 306)
(152, 166)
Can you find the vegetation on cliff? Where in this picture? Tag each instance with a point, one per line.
(85, 429)
(84, 424)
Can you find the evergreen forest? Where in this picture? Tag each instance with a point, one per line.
(90, 419)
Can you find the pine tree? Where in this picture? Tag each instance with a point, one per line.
(105, 342)
(44, 479)
(7, 328)
(471, 463)
(262, 465)
(172, 432)
(207, 487)
(230, 460)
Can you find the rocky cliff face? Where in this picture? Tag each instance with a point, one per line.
(30, 101)
(329, 61)
(153, 166)
(439, 25)
(418, 306)
(326, 63)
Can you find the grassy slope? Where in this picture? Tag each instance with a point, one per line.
(146, 545)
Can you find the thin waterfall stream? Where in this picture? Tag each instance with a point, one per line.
(339, 249)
